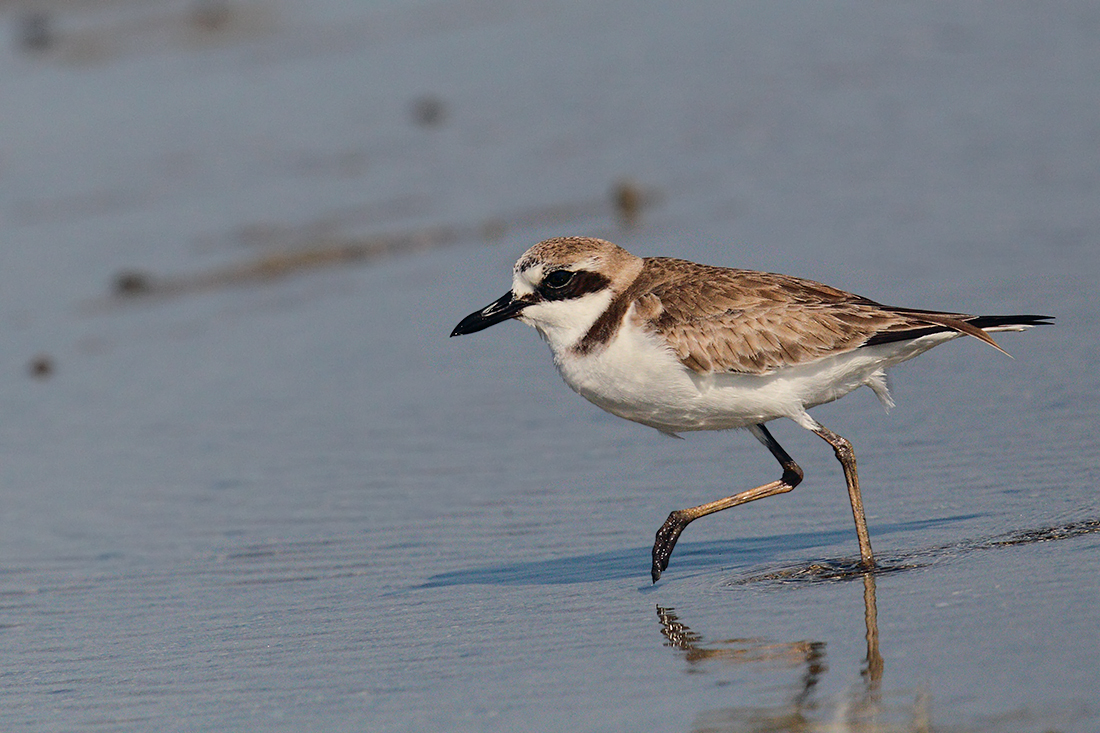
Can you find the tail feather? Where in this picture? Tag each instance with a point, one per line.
(1009, 323)
(975, 326)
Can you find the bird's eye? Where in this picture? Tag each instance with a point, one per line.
(558, 279)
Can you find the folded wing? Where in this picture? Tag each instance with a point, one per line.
(727, 320)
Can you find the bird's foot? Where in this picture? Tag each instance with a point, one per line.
(666, 540)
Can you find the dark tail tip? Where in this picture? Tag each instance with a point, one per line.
(1025, 320)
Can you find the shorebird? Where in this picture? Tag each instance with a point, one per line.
(680, 346)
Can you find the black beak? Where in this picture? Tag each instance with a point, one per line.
(499, 310)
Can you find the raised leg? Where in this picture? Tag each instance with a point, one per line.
(847, 458)
(674, 525)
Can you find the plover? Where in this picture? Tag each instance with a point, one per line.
(680, 346)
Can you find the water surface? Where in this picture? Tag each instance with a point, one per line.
(253, 485)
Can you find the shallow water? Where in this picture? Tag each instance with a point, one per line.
(255, 486)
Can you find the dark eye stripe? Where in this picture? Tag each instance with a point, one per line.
(582, 283)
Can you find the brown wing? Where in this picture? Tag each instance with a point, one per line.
(726, 320)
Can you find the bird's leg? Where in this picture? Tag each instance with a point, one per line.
(847, 458)
(674, 525)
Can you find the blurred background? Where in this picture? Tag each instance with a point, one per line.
(246, 481)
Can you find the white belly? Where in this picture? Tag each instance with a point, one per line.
(636, 378)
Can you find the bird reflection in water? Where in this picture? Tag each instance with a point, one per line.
(864, 710)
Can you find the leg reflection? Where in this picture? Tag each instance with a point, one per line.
(872, 670)
(866, 706)
(807, 654)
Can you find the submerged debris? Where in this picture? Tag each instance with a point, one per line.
(34, 31)
(313, 246)
(210, 15)
(629, 199)
(132, 282)
(428, 110)
(41, 366)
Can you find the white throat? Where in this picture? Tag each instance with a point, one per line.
(564, 323)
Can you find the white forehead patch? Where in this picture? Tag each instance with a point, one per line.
(524, 280)
(528, 271)
(522, 284)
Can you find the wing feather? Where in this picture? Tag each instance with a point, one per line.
(720, 319)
